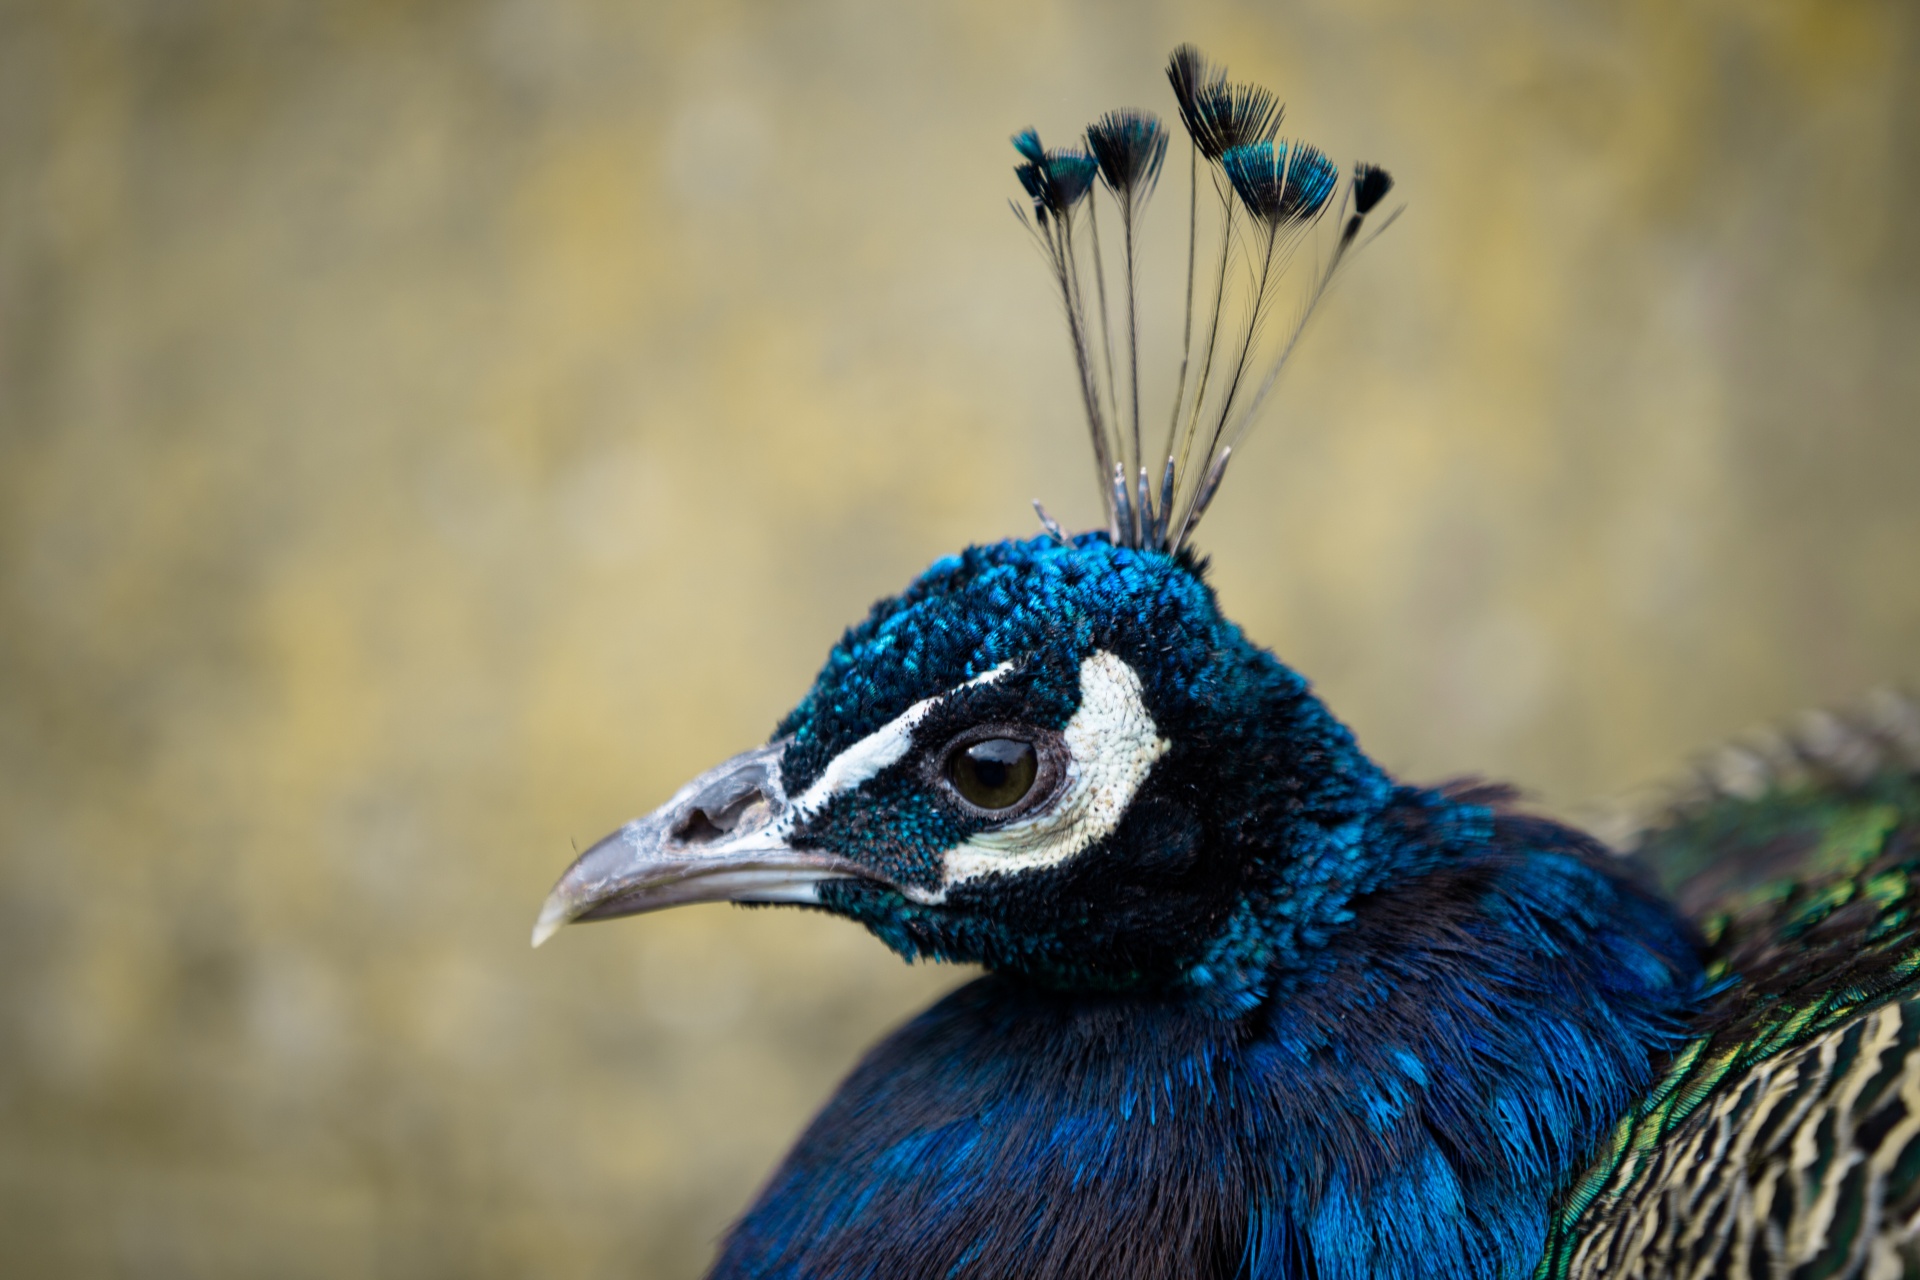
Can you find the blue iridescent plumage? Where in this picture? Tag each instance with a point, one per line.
(1237, 1046)
(1281, 182)
(1054, 180)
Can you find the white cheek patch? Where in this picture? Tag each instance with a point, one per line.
(1112, 744)
(884, 747)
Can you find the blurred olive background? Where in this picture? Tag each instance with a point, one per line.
(429, 432)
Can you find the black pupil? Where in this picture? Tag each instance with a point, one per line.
(994, 774)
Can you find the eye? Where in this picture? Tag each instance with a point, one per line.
(994, 773)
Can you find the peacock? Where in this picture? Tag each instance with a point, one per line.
(1251, 1006)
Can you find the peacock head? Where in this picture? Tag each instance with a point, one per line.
(1056, 756)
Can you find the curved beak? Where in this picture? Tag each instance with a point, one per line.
(722, 838)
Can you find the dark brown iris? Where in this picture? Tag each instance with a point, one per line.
(995, 773)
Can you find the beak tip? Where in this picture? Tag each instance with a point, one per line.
(552, 917)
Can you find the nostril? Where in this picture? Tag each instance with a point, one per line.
(697, 828)
(703, 825)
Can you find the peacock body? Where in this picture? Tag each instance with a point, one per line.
(1253, 1007)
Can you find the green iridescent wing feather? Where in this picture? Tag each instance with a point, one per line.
(1785, 1138)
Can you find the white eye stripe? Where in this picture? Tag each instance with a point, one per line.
(884, 747)
(1112, 744)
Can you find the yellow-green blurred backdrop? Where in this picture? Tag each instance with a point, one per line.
(429, 432)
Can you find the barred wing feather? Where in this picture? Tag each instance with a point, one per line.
(1784, 1140)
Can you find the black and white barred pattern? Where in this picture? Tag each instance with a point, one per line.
(1807, 1167)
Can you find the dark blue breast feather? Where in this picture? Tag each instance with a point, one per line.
(1409, 1102)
